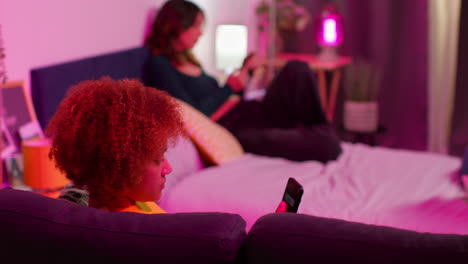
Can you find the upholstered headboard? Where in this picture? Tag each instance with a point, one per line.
(49, 84)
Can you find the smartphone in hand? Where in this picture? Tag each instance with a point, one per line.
(293, 195)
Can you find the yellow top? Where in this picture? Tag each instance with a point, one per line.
(144, 208)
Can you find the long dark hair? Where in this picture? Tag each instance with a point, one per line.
(173, 18)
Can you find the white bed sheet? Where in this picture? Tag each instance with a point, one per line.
(373, 185)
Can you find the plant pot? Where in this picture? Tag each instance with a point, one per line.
(361, 116)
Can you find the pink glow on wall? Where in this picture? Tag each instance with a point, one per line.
(55, 31)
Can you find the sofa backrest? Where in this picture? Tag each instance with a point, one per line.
(42, 229)
(297, 238)
(49, 84)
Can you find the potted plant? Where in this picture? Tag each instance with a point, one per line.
(361, 110)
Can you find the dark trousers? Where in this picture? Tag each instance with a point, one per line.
(289, 122)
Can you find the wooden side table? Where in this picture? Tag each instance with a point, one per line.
(321, 67)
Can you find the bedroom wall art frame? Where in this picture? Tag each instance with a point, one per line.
(17, 109)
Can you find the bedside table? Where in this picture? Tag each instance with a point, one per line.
(321, 67)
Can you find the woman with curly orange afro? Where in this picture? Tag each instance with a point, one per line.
(110, 137)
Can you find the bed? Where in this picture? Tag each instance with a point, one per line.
(372, 185)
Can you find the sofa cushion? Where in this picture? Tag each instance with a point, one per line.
(40, 229)
(297, 238)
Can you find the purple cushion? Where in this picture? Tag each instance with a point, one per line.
(38, 228)
(298, 238)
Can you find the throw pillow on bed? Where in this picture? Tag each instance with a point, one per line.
(216, 144)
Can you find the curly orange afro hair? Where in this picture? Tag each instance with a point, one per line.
(104, 130)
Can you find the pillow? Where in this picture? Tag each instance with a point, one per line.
(216, 144)
(184, 160)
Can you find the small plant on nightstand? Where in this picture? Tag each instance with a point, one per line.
(361, 113)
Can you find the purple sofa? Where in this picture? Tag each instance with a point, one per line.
(45, 230)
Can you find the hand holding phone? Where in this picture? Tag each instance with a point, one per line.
(292, 195)
(282, 207)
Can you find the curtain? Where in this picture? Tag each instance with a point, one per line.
(459, 126)
(443, 43)
(393, 36)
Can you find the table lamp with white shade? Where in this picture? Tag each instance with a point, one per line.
(231, 47)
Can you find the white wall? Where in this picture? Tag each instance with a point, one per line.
(37, 33)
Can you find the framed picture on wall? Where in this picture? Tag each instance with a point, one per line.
(17, 110)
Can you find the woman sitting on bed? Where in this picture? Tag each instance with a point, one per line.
(110, 138)
(289, 122)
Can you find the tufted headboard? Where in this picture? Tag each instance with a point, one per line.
(49, 84)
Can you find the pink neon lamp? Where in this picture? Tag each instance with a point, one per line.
(329, 32)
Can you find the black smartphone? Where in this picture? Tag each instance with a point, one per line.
(293, 195)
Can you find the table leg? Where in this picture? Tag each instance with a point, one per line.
(334, 91)
(323, 90)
